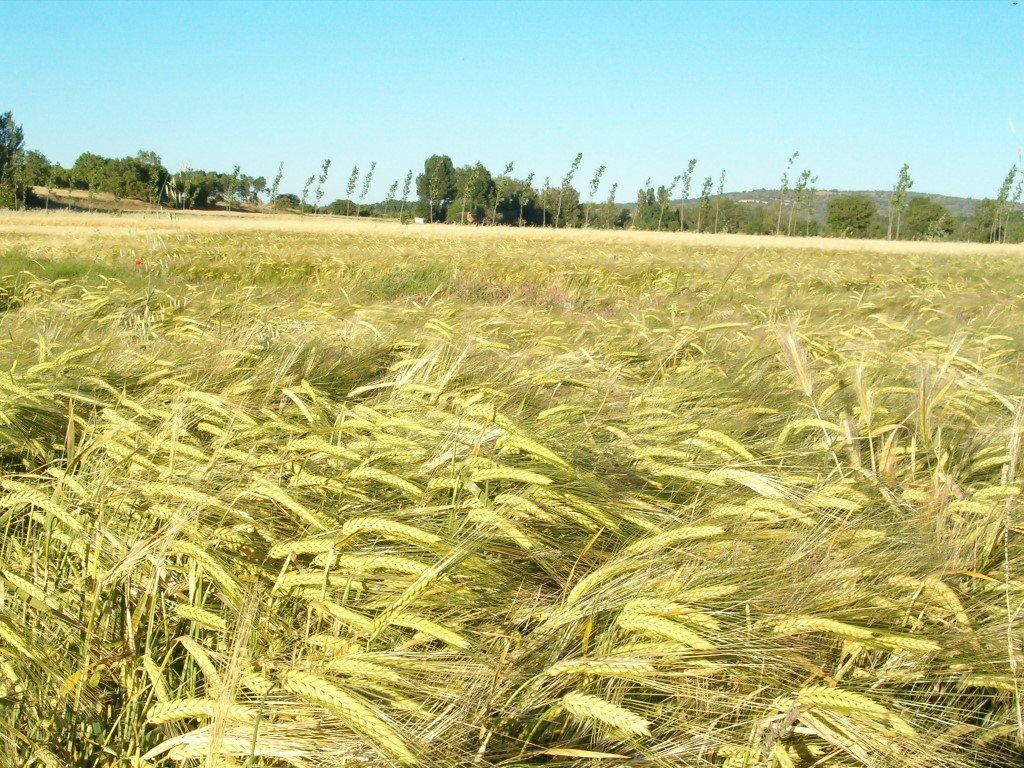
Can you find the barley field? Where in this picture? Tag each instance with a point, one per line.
(281, 492)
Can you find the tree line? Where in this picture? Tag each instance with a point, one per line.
(472, 194)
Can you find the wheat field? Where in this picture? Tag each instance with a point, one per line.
(278, 492)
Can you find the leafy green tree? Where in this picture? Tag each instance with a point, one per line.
(501, 185)
(37, 168)
(287, 201)
(12, 143)
(850, 215)
(436, 185)
(928, 220)
(475, 187)
(898, 201)
(258, 187)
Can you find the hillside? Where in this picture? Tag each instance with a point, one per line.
(959, 207)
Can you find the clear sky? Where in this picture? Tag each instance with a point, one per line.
(858, 88)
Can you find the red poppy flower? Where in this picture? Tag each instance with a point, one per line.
(138, 262)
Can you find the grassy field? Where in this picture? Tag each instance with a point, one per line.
(280, 491)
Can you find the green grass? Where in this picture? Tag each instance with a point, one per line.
(298, 499)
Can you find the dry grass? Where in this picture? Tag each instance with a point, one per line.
(319, 493)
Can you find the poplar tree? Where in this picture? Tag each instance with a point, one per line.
(594, 184)
(705, 202)
(392, 191)
(233, 185)
(305, 192)
(687, 177)
(276, 183)
(405, 193)
(718, 197)
(350, 189)
(366, 186)
(500, 188)
(320, 185)
(525, 195)
(998, 231)
(783, 189)
(898, 201)
(543, 201)
(665, 199)
(610, 206)
(799, 191)
(567, 182)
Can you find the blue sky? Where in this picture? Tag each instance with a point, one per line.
(857, 88)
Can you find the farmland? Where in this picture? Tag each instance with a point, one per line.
(276, 492)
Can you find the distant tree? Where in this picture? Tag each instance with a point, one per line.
(805, 202)
(526, 195)
(37, 168)
(928, 220)
(390, 199)
(594, 184)
(350, 188)
(646, 202)
(258, 187)
(613, 217)
(687, 178)
(705, 203)
(276, 184)
(305, 193)
(501, 185)
(232, 186)
(286, 201)
(783, 189)
(998, 228)
(321, 180)
(405, 193)
(800, 198)
(436, 185)
(12, 143)
(898, 201)
(366, 187)
(718, 197)
(566, 185)
(474, 186)
(545, 201)
(665, 199)
(850, 215)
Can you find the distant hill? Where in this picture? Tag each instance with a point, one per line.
(959, 207)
